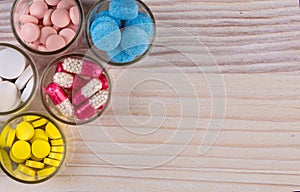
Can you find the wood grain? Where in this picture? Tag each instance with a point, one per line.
(256, 47)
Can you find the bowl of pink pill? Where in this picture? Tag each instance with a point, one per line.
(18, 80)
(32, 148)
(47, 27)
(75, 89)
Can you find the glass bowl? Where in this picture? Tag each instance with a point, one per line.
(30, 91)
(75, 98)
(20, 15)
(26, 135)
(106, 56)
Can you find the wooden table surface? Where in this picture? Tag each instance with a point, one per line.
(214, 107)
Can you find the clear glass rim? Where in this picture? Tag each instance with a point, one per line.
(79, 30)
(65, 148)
(35, 76)
(45, 103)
(90, 44)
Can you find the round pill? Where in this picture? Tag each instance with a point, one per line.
(45, 172)
(39, 134)
(52, 162)
(3, 136)
(12, 63)
(38, 9)
(24, 169)
(33, 45)
(57, 149)
(24, 131)
(55, 42)
(57, 156)
(5, 160)
(42, 48)
(9, 94)
(52, 2)
(35, 164)
(52, 131)
(143, 21)
(106, 13)
(28, 19)
(65, 4)
(31, 117)
(57, 142)
(72, 26)
(47, 17)
(119, 56)
(24, 78)
(106, 36)
(21, 150)
(135, 41)
(40, 148)
(60, 18)
(40, 122)
(68, 34)
(22, 176)
(124, 9)
(46, 32)
(35, 158)
(14, 159)
(18, 101)
(28, 90)
(11, 138)
(101, 19)
(74, 15)
(30, 32)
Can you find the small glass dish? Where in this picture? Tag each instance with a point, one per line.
(60, 89)
(103, 5)
(66, 39)
(30, 92)
(44, 131)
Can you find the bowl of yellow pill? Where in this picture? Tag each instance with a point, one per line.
(33, 148)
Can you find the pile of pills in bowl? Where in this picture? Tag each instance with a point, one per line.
(122, 31)
(16, 79)
(48, 25)
(31, 148)
(79, 88)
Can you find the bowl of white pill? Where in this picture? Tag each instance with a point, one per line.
(18, 80)
(75, 89)
(120, 32)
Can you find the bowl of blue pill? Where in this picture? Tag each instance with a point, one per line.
(120, 32)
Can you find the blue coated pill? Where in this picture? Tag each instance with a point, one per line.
(106, 36)
(119, 56)
(102, 19)
(123, 9)
(143, 21)
(135, 41)
(106, 13)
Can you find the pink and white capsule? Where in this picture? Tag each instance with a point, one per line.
(69, 81)
(104, 81)
(87, 91)
(89, 108)
(82, 67)
(60, 99)
(59, 67)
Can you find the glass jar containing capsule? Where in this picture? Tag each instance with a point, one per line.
(18, 81)
(47, 27)
(32, 147)
(75, 89)
(120, 32)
